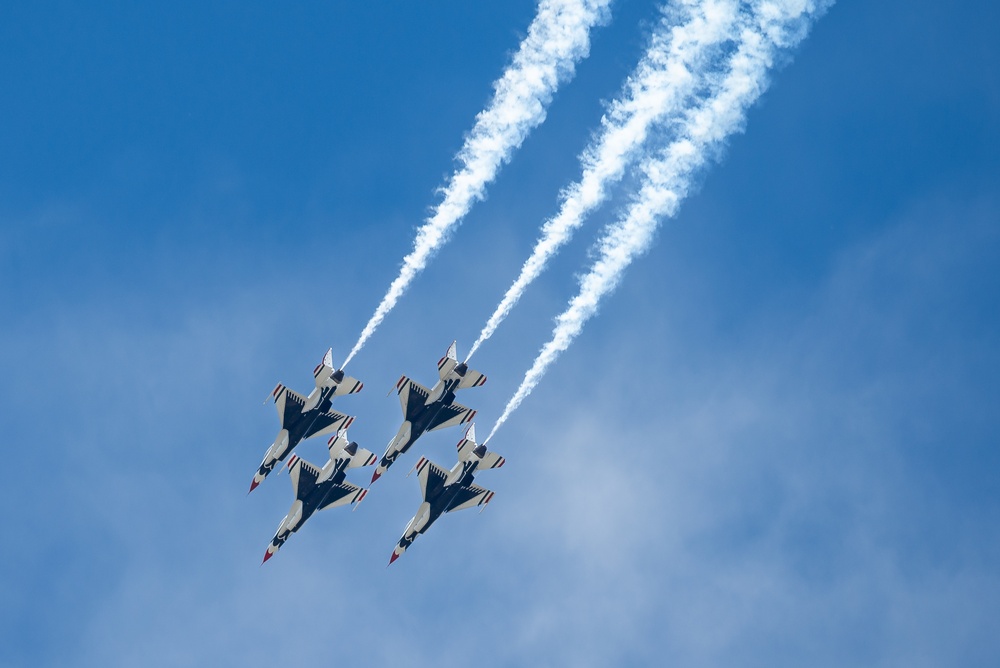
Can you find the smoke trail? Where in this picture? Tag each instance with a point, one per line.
(558, 37)
(668, 177)
(685, 43)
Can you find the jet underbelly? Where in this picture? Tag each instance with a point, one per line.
(438, 505)
(300, 427)
(302, 423)
(423, 420)
(317, 498)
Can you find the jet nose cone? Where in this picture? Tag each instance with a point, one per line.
(267, 555)
(394, 557)
(253, 485)
(375, 476)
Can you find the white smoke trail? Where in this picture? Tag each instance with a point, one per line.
(683, 46)
(668, 177)
(557, 39)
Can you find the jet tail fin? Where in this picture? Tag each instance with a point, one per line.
(448, 363)
(468, 443)
(324, 370)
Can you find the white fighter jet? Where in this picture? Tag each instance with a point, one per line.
(427, 410)
(321, 488)
(302, 417)
(445, 491)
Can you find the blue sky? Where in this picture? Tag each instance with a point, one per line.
(776, 445)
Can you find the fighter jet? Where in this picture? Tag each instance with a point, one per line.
(302, 417)
(427, 410)
(317, 489)
(445, 491)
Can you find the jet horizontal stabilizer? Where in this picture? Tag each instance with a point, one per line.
(340, 448)
(449, 368)
(327, 377)
(468, 449)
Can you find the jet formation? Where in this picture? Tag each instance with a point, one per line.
(321, 488)
(445, 491)
(318, 488)
(303, 417)
(428, 410)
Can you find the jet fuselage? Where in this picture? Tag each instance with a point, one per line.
(334, 473)
(295, 427)
(439, 500)
(419, 417)
(301, 423)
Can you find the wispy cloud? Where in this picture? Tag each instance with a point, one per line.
(557, 39)
(764, 501)
(669, 174)
(684, 45)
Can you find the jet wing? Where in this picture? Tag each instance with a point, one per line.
(328, 422)
(469, 497)
(303, 474)
(289, 405)
(432, 477)
(412, 397)
(342, 494)
(450, 416)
